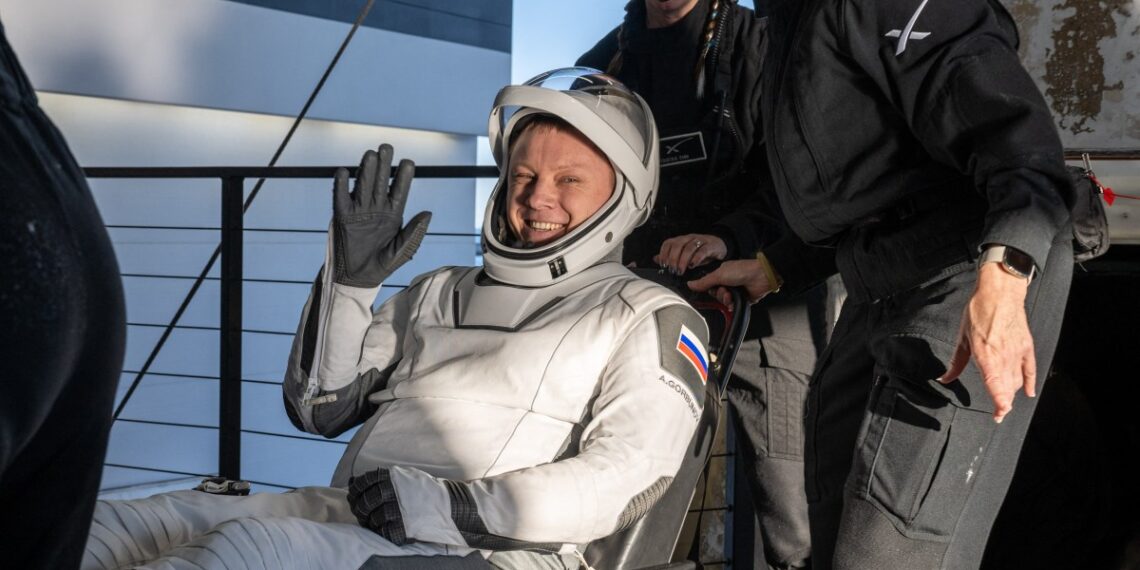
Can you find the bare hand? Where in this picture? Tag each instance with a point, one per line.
(995, 331)
(681, 253)
(747, 273)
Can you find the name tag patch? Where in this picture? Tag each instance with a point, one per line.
(682, 149)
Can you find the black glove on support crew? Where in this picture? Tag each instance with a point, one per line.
(372, 498)
(368, 242)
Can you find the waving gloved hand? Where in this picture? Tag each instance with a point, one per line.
(373, 500)
(368, 242)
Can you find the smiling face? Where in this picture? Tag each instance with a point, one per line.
(662, 13)
(557, 179)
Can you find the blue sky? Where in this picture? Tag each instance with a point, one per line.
(547, 34)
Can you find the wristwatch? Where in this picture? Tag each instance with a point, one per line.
(1013, 261)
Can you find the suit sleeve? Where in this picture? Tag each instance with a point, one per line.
(342, 352)
(951, 68)
(643, 419)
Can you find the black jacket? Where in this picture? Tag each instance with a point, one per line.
(876, 107)
(661, 66)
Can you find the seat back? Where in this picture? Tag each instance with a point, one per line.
(650, 541)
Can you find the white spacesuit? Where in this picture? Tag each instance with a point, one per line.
(540, 402)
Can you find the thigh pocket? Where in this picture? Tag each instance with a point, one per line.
(920, 457)
(787, 391)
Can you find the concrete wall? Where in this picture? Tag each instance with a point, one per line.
(228, 55)
(1085, 56)
(217, 82)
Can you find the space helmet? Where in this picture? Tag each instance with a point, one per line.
(619, 123)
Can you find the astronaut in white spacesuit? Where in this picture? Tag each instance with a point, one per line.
(511, 413)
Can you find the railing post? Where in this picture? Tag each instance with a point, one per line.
(742, 551)
(730, 493)
(229, 355)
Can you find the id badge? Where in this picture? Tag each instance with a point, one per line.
(683, 149)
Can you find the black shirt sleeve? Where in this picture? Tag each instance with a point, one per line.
(799, 264)
(951, 68)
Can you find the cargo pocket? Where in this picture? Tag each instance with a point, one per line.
(963, 453)
(787, 391)
(919, 458)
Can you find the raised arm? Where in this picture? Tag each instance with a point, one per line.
(331, 368)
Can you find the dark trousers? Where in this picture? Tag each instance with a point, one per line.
(61, 337)
(902, 471)
(767, 392)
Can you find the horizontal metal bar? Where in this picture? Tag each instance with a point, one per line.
(292, 230)
(187, 327)
(325, 231)
(246, 280)
(429, 171)
(265, 382)
(262, 230)
(157, 470)
(154, 227)
(1103, 153)
(197, 327)
(203, 475)
(202, 377)
(166, 424)
(278, 485)
(291, 436)
(160, 276)
(173, 375)
(302, 282)
(250, 431)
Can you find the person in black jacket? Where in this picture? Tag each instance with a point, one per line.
(907, 134)
(62, 338)
(698, 64)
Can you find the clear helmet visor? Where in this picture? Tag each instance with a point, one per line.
(606, 97)
(618, 123)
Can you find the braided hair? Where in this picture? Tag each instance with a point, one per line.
(713, 32)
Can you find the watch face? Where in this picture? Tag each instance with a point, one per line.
(1018, 262)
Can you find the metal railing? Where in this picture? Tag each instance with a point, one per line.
(1103, 153)
(232, 181)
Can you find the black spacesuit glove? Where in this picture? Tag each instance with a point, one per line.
(368, 242)
(372, 498)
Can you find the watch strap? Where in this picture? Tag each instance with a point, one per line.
(1013, 261)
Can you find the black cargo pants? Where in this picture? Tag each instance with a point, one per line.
(904, 472)
(61, 336)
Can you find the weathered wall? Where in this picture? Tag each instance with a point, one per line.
(1085, 56)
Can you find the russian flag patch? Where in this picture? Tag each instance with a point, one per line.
(690, 347)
